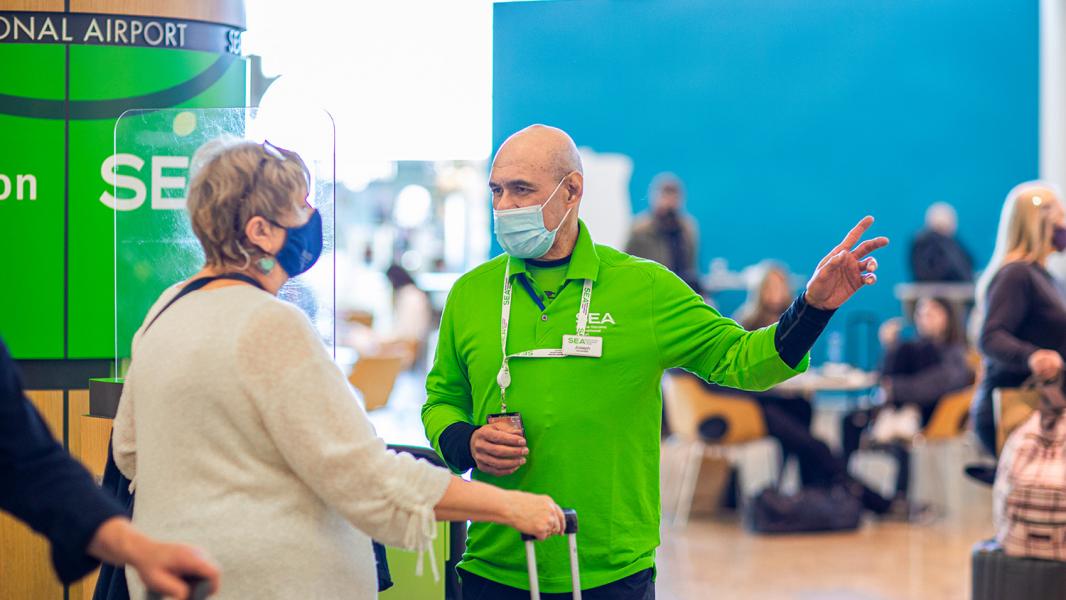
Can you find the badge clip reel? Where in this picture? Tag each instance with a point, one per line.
(513, 420)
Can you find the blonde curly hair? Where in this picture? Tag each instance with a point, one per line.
(233, 180)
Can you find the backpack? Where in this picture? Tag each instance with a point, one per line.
(1029, 502)
(811, 509)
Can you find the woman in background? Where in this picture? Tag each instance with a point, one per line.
(1021, 313)
(412, 312)
(915, 375)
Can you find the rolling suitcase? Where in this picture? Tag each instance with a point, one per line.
(531, 558)
(997, 576)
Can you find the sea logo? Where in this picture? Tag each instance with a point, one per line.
(598, 322)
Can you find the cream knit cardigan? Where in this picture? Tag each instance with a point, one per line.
(242, 436)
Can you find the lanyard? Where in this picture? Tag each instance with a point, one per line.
(503, 379)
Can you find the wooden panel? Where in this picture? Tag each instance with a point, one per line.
(25, 566)
(87, 439)
(228, 12)
(87, 436)
(33, 5)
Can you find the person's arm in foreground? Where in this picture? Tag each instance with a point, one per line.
(690, 334)
(41, 485)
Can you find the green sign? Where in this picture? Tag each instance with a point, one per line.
(58, 107)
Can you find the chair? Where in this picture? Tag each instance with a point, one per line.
(939, 438)
(689, 403)
(374, 377)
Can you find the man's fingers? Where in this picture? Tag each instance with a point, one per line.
(856, 232)
(505, 438)
(495, 471)
(869, 265)
(500, 451)
(502, 464)
(869, 246)
(869, 279)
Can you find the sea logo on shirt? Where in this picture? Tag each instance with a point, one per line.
(598, 322)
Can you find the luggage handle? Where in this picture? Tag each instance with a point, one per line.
(570, 529)
(199, 589)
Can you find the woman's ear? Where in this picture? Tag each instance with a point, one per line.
(262, 234)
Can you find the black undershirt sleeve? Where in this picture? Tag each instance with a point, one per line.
(455, 445)
(798, 329)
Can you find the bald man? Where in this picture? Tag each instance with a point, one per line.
(575, 337)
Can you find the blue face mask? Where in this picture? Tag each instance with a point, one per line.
(521, 231)
(303, 246)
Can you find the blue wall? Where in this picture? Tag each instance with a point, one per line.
(789, 120)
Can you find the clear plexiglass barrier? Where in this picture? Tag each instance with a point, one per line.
(155, 247)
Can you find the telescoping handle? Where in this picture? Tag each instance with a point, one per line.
(199, 589)
(531, 557)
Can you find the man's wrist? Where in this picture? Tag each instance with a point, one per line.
(456, 445)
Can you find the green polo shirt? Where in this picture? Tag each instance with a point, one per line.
(592, 424)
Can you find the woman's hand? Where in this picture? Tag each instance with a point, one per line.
(1045, 364)
(535, 515)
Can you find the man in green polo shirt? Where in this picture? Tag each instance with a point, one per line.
(575, 336)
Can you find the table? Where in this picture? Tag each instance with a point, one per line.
(829, 378)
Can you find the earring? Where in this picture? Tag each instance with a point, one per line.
(265, 264)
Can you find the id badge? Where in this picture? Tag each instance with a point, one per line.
(583, 345)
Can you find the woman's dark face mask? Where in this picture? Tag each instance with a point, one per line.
(302, 247)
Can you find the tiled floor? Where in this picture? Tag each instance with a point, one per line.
(717, 558)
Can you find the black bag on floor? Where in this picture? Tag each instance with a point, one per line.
(811, 509)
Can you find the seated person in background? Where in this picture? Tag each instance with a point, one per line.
(665, 233)
(788, 418)
(1022, 314)
(916, 374)
(411, 319)
(936, 255)
(411, 309)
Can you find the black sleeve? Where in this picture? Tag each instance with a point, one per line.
(798, 329)
(42, 485)
(928, 385)
(1006, 305)
(455, 445)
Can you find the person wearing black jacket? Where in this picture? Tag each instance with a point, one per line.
(915, 375)
(1022, 313)
(41, 485)
(936, 255)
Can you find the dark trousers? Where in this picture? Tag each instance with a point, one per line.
(638, 586)
(788, 420)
